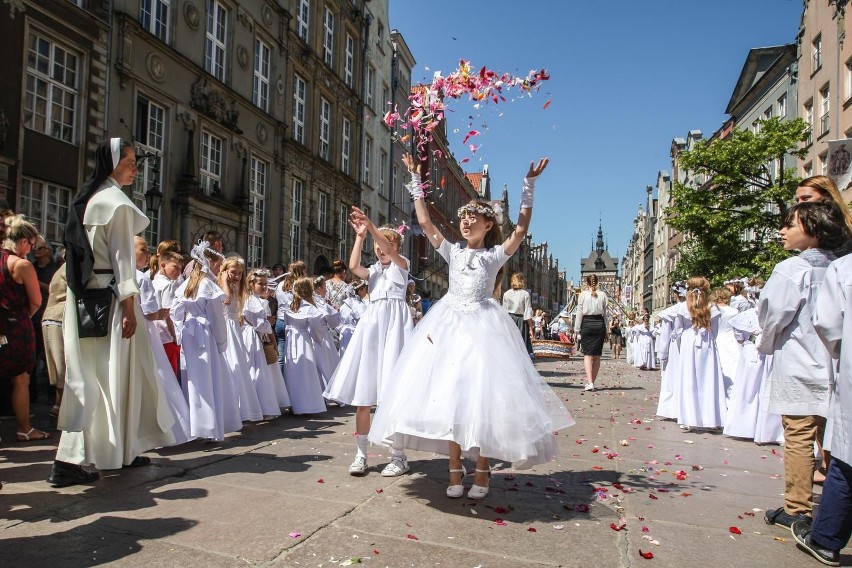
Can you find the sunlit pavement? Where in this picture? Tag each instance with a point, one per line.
(278, 493)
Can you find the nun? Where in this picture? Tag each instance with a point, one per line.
(114, 408)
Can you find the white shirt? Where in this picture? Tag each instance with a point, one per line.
(588, 305)
(518, 302)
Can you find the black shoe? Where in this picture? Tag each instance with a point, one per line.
(64, 474)
(781, 517)
(802, 533)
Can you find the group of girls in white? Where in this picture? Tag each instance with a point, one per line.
(460, 383)
(754, 367)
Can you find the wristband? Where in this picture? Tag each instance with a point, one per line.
(527, 192)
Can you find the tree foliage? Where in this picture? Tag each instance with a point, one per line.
(730, 206)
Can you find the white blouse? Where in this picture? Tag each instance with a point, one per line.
(518, 302)
(588, 305)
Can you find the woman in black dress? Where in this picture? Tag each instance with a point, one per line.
(592, 328)
(616, 339)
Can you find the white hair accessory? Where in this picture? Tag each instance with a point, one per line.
(199, 254)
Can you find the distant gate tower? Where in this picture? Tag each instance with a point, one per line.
(600, 262)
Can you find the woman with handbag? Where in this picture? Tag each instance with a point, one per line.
(20, 298)
(113, 407)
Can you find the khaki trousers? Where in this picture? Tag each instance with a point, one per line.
(800, 433)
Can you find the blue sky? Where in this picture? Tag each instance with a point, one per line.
(626, 78)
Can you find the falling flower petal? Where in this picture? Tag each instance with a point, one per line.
(470, 135)
(547, 104)
(735, 530)
(646, 555)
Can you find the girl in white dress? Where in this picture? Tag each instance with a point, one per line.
(326, 350)
(351, 311)
(729, 348)
(305, 326)
(166, 279)
(254, 320)
(464, 383)
(643, 341)
(747, 415)
(198, 313)
(154, 313)
(668, 352)
(365, 368)
(269, 384)
(284, 297)
(701, 398)
(232, 281)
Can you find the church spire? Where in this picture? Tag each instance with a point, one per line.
(600, 241)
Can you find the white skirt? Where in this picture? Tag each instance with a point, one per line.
(467, 378)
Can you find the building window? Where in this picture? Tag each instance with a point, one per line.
(368, 152)
(325, 129)
(809, 119)
(299, 94)
(349, 62)
(260, 91)
(371, 85)
(816, 52)
(211, 163)
(257, 201)
(781, 106)
(296, 221)
(385, 99)
(322, 213)
(328, 38)
(380, 35)
(50, 106)
(303, 19)
(823, 163)
(343, 252)
(383, 164)
(150, 133)
(808, 170)
(215, 48)
(46, 205)
(344, 145)
(394, 181)
(825, 107)
(154, 17)
(767, 114)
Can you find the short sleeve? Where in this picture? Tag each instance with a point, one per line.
(445, 250)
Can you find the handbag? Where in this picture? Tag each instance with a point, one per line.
(93, 311)
(270, 347)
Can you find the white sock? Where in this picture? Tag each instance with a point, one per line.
(397, 454)
(361, 440)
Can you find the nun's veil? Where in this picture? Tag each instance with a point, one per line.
(80, 259)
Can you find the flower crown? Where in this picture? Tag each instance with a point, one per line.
(489, 210)
(398, 230)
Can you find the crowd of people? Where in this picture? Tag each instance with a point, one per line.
(153, 350)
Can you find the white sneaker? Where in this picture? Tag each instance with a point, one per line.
(396, 467)
(359, 466)
(589, 387)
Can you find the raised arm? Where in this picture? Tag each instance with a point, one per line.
(418, 195)
(355, 258)
(383, 243)
(525, 215)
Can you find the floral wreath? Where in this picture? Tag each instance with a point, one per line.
(494, 211)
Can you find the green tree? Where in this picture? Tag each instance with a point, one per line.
(730, 207)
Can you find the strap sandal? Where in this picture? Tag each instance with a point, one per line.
(456, 491)
(479, 491)
(33, 435)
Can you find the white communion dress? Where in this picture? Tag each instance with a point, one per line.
(465, 376)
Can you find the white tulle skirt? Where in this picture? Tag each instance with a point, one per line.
(466, 377)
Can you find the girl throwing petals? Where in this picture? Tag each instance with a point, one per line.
(464, 382)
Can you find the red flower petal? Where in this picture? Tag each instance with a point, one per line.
(646, 555)
(380, 490)
(375, 551)
(531, 529)
(320, 480)
(412, 537)
(652, 496)
(735, 530)
(616, 527)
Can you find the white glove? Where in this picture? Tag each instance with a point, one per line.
(527, 192)
(415, 187)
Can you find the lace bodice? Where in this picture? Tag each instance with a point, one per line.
(472, 274)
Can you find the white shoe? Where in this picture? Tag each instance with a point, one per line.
(478, 491)
(396, 467)
(589, 387)
(359, 466)
(456, 491)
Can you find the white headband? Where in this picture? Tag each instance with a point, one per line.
(198, 253)
(115, 150)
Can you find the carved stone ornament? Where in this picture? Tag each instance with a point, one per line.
(156, 67)
(261, 132)
(190, 14)
(240, 148)
(188, 120)
(279, 86)
(242, 56)
(15, 5)
(266, 14)
(213, 103)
